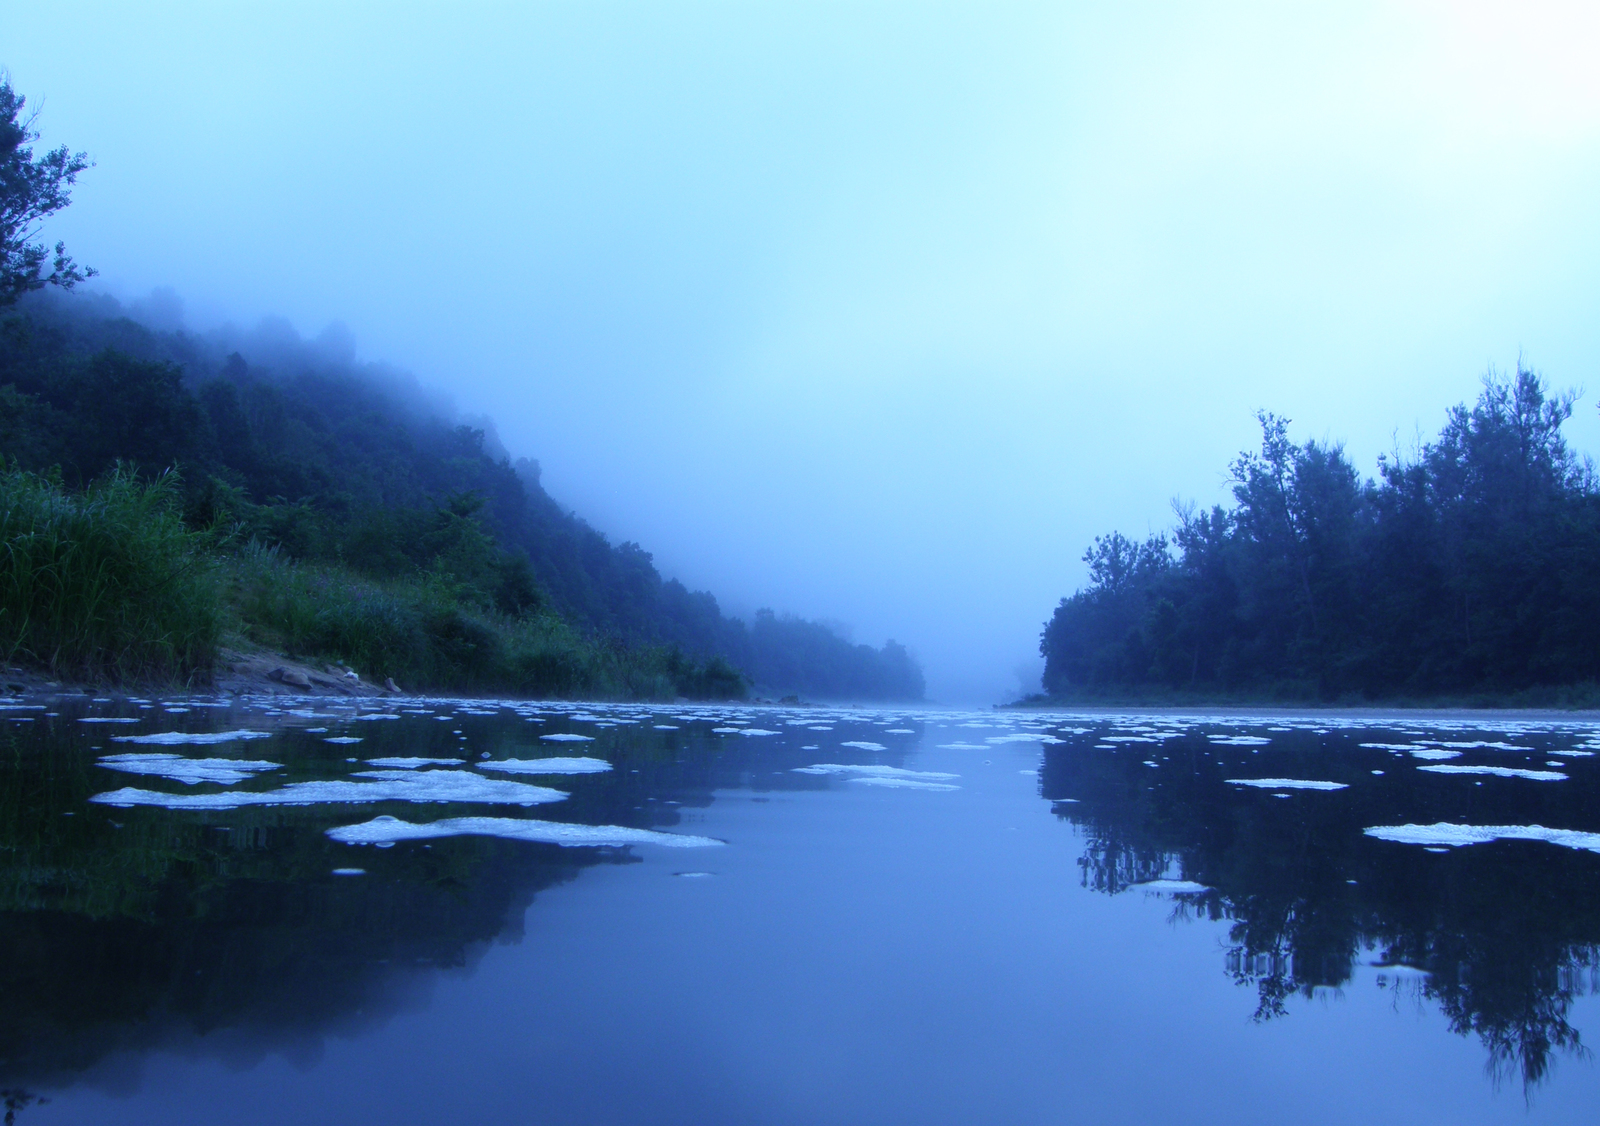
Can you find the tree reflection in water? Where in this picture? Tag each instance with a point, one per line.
(1502, 937)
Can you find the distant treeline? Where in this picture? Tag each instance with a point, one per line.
(335, 464)
(1471, 568)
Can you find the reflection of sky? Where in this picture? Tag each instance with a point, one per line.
(875, 314)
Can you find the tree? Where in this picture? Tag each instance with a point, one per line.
(31, 190)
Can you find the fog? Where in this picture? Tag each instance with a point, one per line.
(872, 314)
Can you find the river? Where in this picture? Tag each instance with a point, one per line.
(443, 911)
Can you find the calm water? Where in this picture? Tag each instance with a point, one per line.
(728, 915)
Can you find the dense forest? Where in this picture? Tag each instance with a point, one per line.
(1466, 570)
(328, 480)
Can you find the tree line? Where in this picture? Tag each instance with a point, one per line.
(1465, 569)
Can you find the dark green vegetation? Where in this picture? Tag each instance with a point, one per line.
(1465, 572)
(107, 583)
(322, 506)
(1507, 943)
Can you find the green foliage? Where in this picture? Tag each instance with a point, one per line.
(432, 634)
(104, 584)
(1466, 570)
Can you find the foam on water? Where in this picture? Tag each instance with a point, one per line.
(388, 830)
(862, 745)
(413, 763)
(873, 771)
(547, 765)
(567, 737)
(902, 783)
(1499, 772)
(1455, 836)
(189, 771)
(1287, 784)
(1176, 887)
(386, 785)
(173, 738)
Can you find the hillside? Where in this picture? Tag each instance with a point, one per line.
(291, 445)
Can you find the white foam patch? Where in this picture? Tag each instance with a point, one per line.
(862, 745)
(1454, 836)
(1239, 740)
(1480, 743)
(567, 737)
(378, 715)
(343, 739)
(547, 765)
(903, 783)
(387, 785)
(1433, 754)
(388, 830)
(899, 731)
(665, 726)
(996, 740)
(1176, 887)
(189, 771)
(1287, 783)
(107, 719)
(1500, 772)
(873, 771)
(173, 738)
(1574, 754)
(414, 763)
(962, 747)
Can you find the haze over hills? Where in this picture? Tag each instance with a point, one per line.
(313, 454)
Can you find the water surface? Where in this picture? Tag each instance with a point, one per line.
(451, 911)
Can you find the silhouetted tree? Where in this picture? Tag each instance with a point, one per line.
(31, 190)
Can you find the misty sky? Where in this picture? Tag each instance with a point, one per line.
(874, 313)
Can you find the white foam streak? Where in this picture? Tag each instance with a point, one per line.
(547, 765)
(388, 830)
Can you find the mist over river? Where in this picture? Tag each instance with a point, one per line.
(438, 911)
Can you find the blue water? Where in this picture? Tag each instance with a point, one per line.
(849, 953)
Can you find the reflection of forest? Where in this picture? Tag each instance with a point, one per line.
(128, 929)
(167, 929)
(1509, 933)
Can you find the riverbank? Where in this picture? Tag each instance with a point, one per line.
(110, 587)
(1572, 701)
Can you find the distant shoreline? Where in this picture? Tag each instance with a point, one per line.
(1422, 710)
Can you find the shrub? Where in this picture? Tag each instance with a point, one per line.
(106, 584)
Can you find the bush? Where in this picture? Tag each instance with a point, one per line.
(106, 584)
(424, 634)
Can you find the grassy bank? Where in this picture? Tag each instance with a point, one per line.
(109, 585)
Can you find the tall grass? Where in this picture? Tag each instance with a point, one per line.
(107, 584)
(421, 633)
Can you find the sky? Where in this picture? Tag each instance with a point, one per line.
(875, 313)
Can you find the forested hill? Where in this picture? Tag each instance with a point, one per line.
(335, 461)
(1471, 570)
